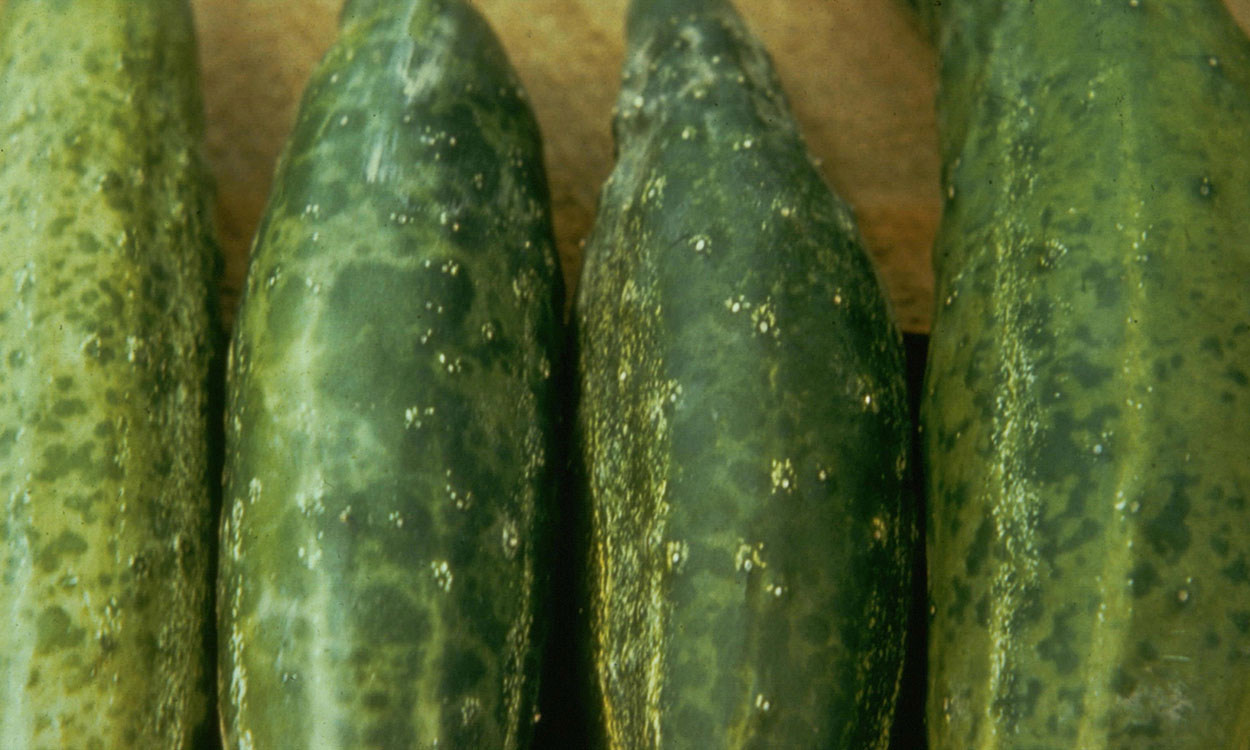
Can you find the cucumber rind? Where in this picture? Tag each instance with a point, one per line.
(391, 409)
(742, 418)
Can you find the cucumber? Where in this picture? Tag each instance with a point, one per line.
(742, 423)
(390, 407)
(1084, 420)
(108, 328)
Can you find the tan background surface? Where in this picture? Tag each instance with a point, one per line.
(859, 74)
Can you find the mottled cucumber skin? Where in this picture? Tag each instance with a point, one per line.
(107, 331)
(1085, 417)
(742, 421)
(390, 404)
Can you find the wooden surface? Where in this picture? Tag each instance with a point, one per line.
(859, 74)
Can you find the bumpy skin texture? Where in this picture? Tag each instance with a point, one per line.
(1085, 421)
(107, 331)
(742, 421)
(389, 422)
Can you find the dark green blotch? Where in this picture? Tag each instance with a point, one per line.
(1237, 375)
(814, 628)
(88, 244)
(1167, 532)
(1086, 372)
(963, 593)
(59, 461)
(1238, 571)
(1160, 370)
(66, 543)
(393, 731)
(57, 226)
(1241, 620)
(55, 630)
(980, 547)
(1106, 287)
(1020, 702)
(1212, 345)
(1220, 546)
(983, 611)
(1074, 697)
(1122, 683)
(69, 407)
(389, 617)
(693, 720)
(1142, 578)
(1057, 647)
(375, 700)
(1086, 530)
(8, 436)
(463, 671)
(1055, 455)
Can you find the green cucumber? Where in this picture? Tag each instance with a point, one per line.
(391, 405)
(108, 330)
(1085, 416)
(742, 423)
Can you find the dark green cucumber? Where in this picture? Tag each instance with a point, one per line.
(1085, 418)
(107, 331)
(390, 404)
(742, 421)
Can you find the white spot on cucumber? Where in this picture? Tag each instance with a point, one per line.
(749, 557)
(764, 319)
(879, 528)
(442, 574)
(782, 474)
(675, 554)
(510, 538)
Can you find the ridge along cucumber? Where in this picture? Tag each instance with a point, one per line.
(390, 404)
(1085, 417)
(742, 422)
(108, 331)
